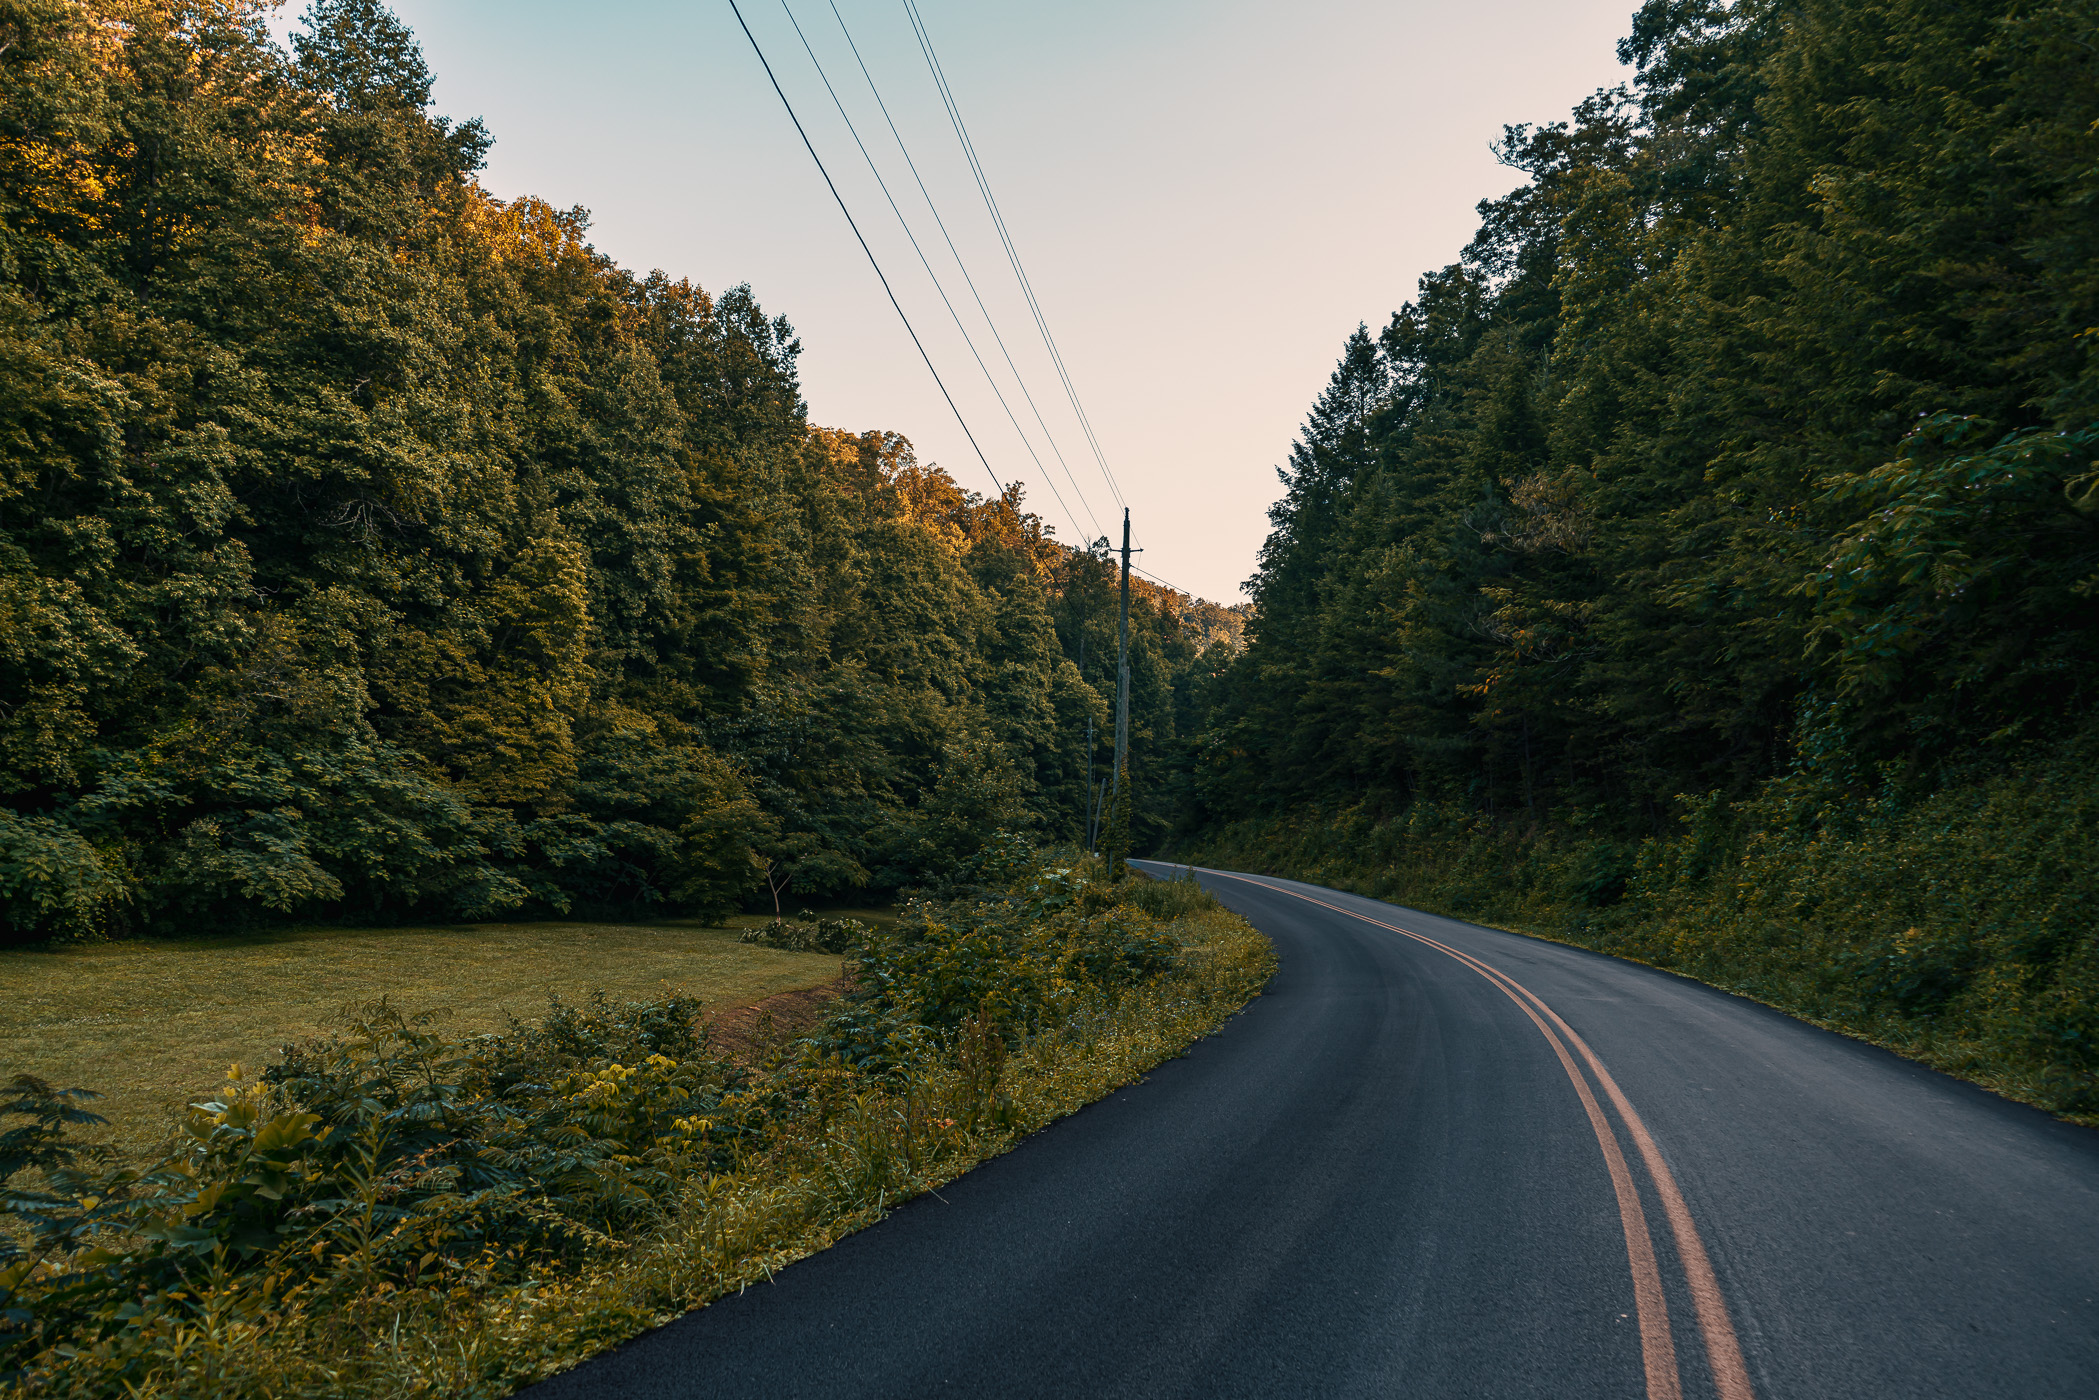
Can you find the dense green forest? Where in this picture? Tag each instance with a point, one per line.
(371, 547)
(1706, 564)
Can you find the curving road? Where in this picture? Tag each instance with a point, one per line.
(1441, 1160)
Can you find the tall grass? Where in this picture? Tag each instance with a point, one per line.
(1955, 922)
(1172, 898)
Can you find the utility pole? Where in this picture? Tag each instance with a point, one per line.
(1122, 671)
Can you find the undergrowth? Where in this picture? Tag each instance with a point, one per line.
(1955, 921)
(806, 933)
(389, 1211)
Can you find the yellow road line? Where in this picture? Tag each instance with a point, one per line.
(1723, 1351)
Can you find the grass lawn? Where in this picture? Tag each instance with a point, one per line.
(151, 1025)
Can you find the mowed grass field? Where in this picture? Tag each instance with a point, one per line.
(152, 1025)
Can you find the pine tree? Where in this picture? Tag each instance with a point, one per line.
(1334, 449)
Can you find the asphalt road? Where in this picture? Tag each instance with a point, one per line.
(1382, 1179)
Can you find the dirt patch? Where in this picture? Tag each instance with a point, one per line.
(752, 1034)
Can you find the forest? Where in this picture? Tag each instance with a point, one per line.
(374, 548)
(1705, 565)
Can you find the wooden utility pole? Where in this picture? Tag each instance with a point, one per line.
(1122, 671)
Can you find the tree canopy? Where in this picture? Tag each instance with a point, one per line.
(371, 547)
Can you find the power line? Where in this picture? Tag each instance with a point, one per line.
(1000, 491)
(998, 220)
(925, 43)
(1167, 583)
(873, 170)
(970, 282)
(1140, 569)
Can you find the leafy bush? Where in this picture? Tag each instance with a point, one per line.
(808, 934)
(53, 879)
(1169, 899)
(387, 1155)
(1014, 964)
(53, 1218)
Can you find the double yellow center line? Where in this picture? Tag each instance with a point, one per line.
(1657, 1347)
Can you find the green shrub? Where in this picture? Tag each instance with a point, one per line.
(808, 934)
(390, 1155)
(1168, 899)
(53, 881)
(1014, 965)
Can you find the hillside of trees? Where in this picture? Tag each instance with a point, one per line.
(1764, 410)
(374, 548)
(1706, 564)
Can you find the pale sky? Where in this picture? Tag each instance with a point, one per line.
(1207, 198)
